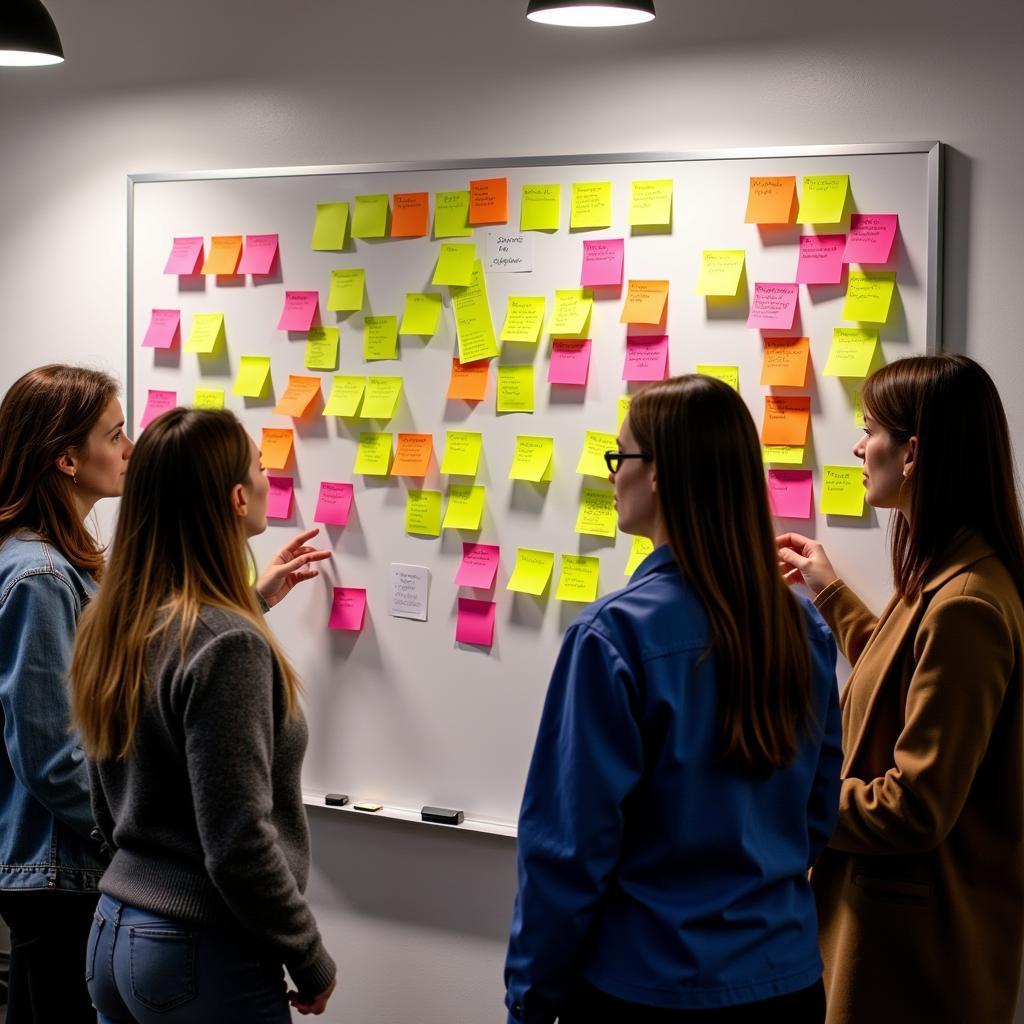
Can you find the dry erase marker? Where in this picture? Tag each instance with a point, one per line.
(336, 799)
(366, 807)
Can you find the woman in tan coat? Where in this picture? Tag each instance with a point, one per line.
(921, 890)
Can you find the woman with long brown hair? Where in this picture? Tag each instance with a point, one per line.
(921, 890)
(685, 774)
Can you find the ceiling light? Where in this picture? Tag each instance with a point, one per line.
(590, 13)
(28, 35)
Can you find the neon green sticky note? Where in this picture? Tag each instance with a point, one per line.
(524, 318)
(869, 295)
(515, 389)
(569, 318)
(346, 394)
(455, 264)
(347, 287)
(730, 374)
(322, 348)
(591, 204)
(462, 453)
(842, 490)
(858, 408)
(852, 351)
(782, 454)
(451, 215)
(639, 550)
(720, 271)
(822, 198)
(473, 324)
(423, 513)
(650, 203)
(579, 578)
(465, 507)
(541, 208)
(206, 334)
(370, 217)
(595, 444)
(597, 516)
(624, 403)
(421, 314)
(253, 374)
(532, 571)
(330, 227)
(373, 455)
(382, 394)
(532, 459)
(208, 398)
(380, 337)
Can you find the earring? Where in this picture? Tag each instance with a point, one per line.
(74, 479)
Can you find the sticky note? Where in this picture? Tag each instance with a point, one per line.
(774, 306)
(421, 314)
(785, 362)
(164, 329)
(373, 454)
(524, 317)
(279, 499)
(259, 254)
(782, 454)
(370, 217)
(333, 503)
(578, 579)
(515, 389)
(645, 302)
(412, 455)
(871, 237)
(410, 585)
(488, 201)
(330, 227)
(821, 259)
(595, 444)
(638, 551)
(206, 334)
(225, 252)
(789, 493)
(852, 352)
(465, 507)
(347, 289)
(299, 396)
(479, 565)
(597, 516)
(380, 337)
(869, 295)
(468, 380)
(299, 312)
(423, 513)
(858, 407)
(208, 398)
(532, 459)
(650, 203)
(721, 271)
(729, 374)
(475, 623)
(625, 400)
(455, 264)
(541, 208)
(571, 313)
(253, 374)
(508, 252)
(473, 325)
(602, 263)
(348, 609)
(410, 214)
(322, 348)
(346, 394)
(382, 394)
(157, 402)
(591, 204)
(646, 357)
(531, 572)
(786, 420)
(451, 215)
(822, 198)
(570, 361)
(842, 490)
(770, 200)
(186, 256)
(462, 452)
(276, 447)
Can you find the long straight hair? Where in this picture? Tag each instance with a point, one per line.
(963, 474)
(714, 506)
(179, 545)
(46, 413)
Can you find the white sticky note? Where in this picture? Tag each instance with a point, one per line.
(410, 586)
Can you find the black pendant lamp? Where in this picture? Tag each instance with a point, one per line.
(590, 13)
(28, 35)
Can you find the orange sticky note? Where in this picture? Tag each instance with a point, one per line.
(469, 380)
(488, 201)
(410, 214)
(276, 447)
(412, 456)
(298, 396)
(771, 200)
(225, 252)
(645, 302)
(786, 420)
(785, 362)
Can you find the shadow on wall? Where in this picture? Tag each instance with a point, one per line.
(956, 251)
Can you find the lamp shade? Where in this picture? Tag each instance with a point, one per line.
(590, 13)
(28, 35)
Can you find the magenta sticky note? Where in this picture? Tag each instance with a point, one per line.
(186, 256)
(258, 254)
(300, 309)
(570, 361)
(156, 403)
(646, 358)
(479, 565)
(871, 237)
(602, 262)
(821, 259)
(348, 608)
(164, 329)
(475, 624)
(333, 503)
(774, 306)
(279, 501)
(789, 492)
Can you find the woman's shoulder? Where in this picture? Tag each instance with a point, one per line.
(26, 557)
(215, 622)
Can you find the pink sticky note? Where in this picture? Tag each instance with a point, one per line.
(156, 403)
(871, 237)
(300, 309)
(821, 259)
(570, 361)
(602, 262)
(279, 501)
(475, 624)
(789, 492)
(774, 306)
(646, 358)
(186, 256)
(258, 254)
(348, 608)
(479, 565)
(164, 329)
(333, 503)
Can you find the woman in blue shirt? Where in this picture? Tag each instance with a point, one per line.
(686, 770)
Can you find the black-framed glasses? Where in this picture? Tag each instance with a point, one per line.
(613, 460)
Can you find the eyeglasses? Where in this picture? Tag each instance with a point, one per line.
(613, 460)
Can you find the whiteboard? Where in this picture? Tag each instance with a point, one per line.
(399, 713)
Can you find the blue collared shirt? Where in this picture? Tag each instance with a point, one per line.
(646, 867)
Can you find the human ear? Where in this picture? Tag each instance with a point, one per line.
(67, 464)
(239, 501)
(910, 459)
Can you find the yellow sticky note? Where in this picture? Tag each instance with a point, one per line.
(370, 217)
(869, 295)
(380, 337)
(532, 571)
(462, 453)
(455, 264)
(373, 455)
(347, 288)
(253, 374)
(465, 507)
(206, 334)
(842, 490)
(382, 394)
(322, 348)
(541, 208)
(571, 314)
(421, 314)
(276, 447)
(597, 516)
(225, 252)
(524, 317)
(720, 271)
(299, 396)
(730, 374)
(858, 407)
(782, 454)
(624, 403)
(515, 389)
(423, 513)
(346, 394)
(451, 215)
(650, 203)
(532, 459)
(822, 198)
(639, 550)
(645, 302)
(852, 352)
(591, 204)
(595, 444)
(331, 226)
(579, 578)
(208, 398)
(473, 324)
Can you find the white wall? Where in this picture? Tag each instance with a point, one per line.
(417, 918)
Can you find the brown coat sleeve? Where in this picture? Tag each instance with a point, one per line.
(848, 617)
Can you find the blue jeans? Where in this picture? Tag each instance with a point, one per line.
(143, 968)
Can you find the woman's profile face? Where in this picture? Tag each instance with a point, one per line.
(105, 457)
(635, 495)
(884, 465)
